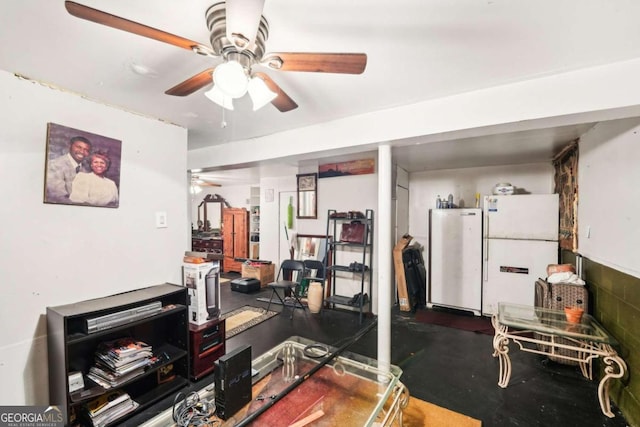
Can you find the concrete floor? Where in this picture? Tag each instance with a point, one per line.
(448, 367)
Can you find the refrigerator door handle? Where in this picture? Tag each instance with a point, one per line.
(485, 261)
(485, 249)
(485, 226)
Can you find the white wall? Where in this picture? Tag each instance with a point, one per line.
(358, 192)
(57, 254)
(347, 193)
(609, 195)
(424, 188)
(270, 222)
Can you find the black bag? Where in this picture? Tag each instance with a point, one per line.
(415, 275)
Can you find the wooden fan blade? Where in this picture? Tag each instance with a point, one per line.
(104, 18)
(203, 181)
(282, 102)
(207, 184)
(345, 63)
(192, 84)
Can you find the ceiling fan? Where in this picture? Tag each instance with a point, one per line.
(238, 33)
(203, 181)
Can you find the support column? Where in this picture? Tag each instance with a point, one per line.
(384, 255)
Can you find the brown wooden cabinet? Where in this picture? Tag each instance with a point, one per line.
(235, 236)
(207, 345)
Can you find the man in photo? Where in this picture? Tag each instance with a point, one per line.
(62, 170)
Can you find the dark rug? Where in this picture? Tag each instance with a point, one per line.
(451, 319)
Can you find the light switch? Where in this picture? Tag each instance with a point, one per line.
(161, 220)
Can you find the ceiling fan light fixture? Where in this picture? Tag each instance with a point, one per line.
(260, 93)
(217, 96)
(231, 78)
(242, 21)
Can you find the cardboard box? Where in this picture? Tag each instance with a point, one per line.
(194, 278)
(398, 265)
(265, 273)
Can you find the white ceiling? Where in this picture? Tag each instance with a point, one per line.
(417, 50)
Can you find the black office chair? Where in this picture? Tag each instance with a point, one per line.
(288, 280)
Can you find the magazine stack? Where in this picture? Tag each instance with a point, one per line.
(118, 361)
(109, 407)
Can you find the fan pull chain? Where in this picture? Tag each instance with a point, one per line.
(223, 123)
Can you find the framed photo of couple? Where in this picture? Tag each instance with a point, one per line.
(81, 168)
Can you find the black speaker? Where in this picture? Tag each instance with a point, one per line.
(232, 379)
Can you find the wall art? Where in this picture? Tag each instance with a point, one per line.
(353, 167)
(81, 168)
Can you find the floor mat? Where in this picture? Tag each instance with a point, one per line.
(466, 322)
(243, 318)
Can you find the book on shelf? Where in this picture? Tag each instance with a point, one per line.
(123, 367)
(109, 380)
(123, 351)
(109, 407)
(117, 413)
(123, 347)
(105, 401)
(117, 361)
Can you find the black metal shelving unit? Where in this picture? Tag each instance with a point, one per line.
(360, 256)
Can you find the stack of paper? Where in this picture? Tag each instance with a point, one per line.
(118, 361)
(109, 407)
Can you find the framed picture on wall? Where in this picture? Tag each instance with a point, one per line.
(307, 195)
(81, 168)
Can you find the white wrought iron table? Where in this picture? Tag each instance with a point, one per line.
(545, 331)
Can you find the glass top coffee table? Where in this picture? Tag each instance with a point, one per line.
(349, 390)
(545, 331)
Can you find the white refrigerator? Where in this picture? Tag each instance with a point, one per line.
(520, 239)
(455, 258)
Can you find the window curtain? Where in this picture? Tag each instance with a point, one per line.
(566, 185)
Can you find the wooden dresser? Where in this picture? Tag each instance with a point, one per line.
(207, 244)
(235, 235)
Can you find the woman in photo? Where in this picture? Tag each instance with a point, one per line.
(93, 188)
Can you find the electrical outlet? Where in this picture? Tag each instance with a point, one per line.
(161, 220)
